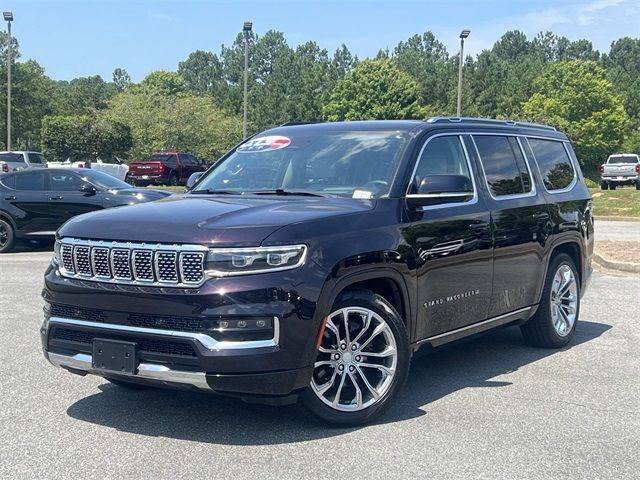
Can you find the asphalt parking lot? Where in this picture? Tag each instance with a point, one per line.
(489, 408)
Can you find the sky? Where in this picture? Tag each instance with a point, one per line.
(74, 38)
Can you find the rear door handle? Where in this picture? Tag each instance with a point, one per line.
(479, 226)
(540, 216)
(13, 197)
(59, 197)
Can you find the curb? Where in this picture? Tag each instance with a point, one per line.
(616, 219)
(613, 265)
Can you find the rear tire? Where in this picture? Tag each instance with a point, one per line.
(554, 324)
(173, 180)
(604, 185)
(362, 363)
(7, 237)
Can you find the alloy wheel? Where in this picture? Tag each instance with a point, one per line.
(564, 300)
(356, 361)
(4, 235)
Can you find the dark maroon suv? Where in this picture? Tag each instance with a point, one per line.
(165, 168)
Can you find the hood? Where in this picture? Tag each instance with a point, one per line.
(207, 220)
(132, 196)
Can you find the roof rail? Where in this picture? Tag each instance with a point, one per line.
(489, 121)
(293, 124)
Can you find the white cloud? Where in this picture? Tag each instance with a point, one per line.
(586, 13)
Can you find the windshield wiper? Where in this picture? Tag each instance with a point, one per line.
(280, 191)
(211, 191)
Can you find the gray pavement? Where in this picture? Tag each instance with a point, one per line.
(490, 408)
(617, 230)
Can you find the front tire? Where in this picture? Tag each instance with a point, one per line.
(7, 237)
(554, 324)
(638, 185)
(362, 362)
(612, 186)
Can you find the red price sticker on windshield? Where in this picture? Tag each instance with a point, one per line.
(264, 144)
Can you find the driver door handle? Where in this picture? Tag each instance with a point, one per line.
(12, 197)
(59, 197)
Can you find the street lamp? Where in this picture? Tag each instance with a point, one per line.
(246, 28)
(8, 16)
(463, 34)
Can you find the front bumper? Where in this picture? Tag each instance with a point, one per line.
(174, 357)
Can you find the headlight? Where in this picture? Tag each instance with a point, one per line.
(242, 261)
(56, 253)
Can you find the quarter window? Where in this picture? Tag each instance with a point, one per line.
(504, 165)
(554, 163)
(30, 181)
(442, 156)
(9, 181)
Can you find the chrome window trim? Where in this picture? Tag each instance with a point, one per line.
(574, 181)
(424, 208)
(531, 193)
(206, 341)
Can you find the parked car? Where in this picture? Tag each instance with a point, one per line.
(165, 168)
(314, 260)
(620, 169)
(20, 160)
(35, 203)
(114, 166)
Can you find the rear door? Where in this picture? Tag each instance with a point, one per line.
(520, 221)
(65, 198)
(452, 244)
(28, 203)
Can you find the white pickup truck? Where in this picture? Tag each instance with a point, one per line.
(620, 169)
(113, 166)
(20, 160)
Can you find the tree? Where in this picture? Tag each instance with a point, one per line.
(163, 82)
(375, 89)
(578, 98)
(202, 73)
(184, 122)
(121, 79)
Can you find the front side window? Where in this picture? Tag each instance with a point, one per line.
(554, 163)
(30, 181)
(504, 165)
(442, 156)
(65, 182)
(36, 158)
(358, 164)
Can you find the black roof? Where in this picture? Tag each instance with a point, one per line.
(419, 125)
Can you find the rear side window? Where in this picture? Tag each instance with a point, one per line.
(504, 166)
(30, 181)
(555, 166)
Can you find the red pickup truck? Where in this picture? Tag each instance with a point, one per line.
(165, 168)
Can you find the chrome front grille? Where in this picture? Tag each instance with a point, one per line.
(133, 263)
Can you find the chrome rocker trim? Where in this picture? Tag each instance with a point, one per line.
(147, 371)
(206, 341)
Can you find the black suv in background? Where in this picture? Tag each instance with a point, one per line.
(313, 260)
(34, 203)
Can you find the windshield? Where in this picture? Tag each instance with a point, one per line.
(347, 164)
(103, 180)
(624, 159)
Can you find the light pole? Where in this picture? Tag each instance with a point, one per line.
(463, 34)
(8, 16)
(246, 28)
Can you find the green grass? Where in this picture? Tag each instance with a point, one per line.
(622, 202)
(177, 189)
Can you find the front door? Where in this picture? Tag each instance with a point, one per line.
(65, 198)
(452, 244)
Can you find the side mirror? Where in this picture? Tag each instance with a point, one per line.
(438, 189)
(192, 180)
(88, 189)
